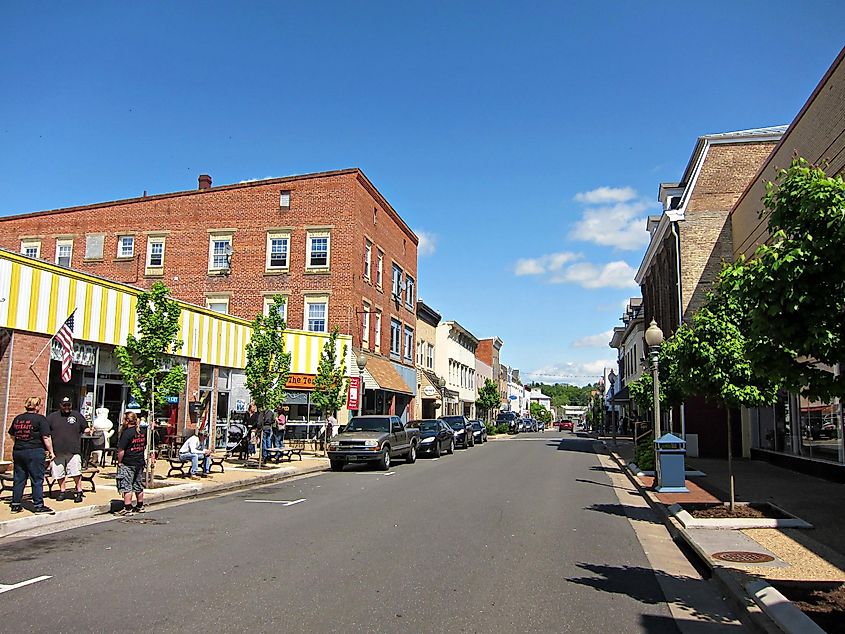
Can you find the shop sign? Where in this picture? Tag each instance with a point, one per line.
(300, 381)
(83, 353)
(173, 400)
(429, 391)
(353, 395)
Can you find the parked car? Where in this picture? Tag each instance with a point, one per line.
(509, 418)
(435, 436)
(376, 439)
(541, 426)
(564, 425)
(463, 430)
(479, 431)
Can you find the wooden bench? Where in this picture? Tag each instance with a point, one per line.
(277, 455)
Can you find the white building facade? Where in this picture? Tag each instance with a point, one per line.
(455, 361)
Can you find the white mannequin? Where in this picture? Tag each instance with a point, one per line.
(103, 424)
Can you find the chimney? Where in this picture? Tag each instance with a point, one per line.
(205, 181)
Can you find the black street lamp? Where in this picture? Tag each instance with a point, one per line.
(442, 383)
(361, 362)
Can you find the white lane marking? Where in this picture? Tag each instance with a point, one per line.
(282, 502)
(15, 586)
(435, 459)
(389, 473)
(375, 473)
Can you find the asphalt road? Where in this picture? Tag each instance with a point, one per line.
(511, 536)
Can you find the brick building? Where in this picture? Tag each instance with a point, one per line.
(489, 352)
(328, 242)
(790, 433)
(689, 242)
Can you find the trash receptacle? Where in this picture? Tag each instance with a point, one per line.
(670, 454)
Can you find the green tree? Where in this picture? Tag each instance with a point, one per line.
(709, 357)
(145, 362)
(488, 398)
(267, 363)
(540, 413)
(330, 387)
(792, 292)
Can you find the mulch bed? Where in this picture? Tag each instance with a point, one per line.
(822, 602)
(723, 511)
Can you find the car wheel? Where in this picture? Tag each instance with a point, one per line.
(411, 456)
(337, 465)
(437, 449)
(384, 460)
(451, 448)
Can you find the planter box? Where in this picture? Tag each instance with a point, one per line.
(787, 521)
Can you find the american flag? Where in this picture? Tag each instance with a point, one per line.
(65, 338)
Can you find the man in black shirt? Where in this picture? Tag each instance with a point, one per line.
(66, 427)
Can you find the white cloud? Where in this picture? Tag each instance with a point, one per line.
(600, 340)
(618, 274)
(428, 243)
(544, 264)
(574, 372)
(622, 226)
(603, 195)
(253, 180)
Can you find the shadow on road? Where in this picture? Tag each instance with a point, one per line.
(641, 513)
(577, 445)
(644, 585)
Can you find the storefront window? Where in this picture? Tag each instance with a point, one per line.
(774, 431)
(819, 425)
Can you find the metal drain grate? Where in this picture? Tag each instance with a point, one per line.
(146, 520)
(743, 557)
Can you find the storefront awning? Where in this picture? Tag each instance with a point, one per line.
(429, 384)
(380, 374)
(622, 397)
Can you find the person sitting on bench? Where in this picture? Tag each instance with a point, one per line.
(193, 450)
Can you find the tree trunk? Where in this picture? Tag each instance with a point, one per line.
(730, 465)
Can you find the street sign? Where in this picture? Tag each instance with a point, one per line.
(512, 397)
(353, 395)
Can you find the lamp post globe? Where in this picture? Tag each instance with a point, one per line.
(361, 362)
(653, 335)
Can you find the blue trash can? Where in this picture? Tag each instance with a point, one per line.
(670, 455)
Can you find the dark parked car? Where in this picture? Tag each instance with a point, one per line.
(509, 418)
(435, 436)
(463, 430)
(376, 439)
(479, 431)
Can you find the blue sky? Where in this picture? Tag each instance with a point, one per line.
(524, 142)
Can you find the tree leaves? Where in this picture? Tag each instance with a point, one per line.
(267, 363)
(329, 385)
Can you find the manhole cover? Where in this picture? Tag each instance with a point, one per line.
(743, 557)
(146, 520)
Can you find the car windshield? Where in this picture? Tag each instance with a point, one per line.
(369, 424)
(476, 426)
(425, 425)
(456, 424)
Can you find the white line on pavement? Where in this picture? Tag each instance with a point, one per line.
(282, 502)
(15, 586)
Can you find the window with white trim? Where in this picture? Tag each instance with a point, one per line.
(218, 303)
(395, 338)
(365, 326)
(155, 252)
(125, 246)
(429, 356)
(278, 251)
(368, 256)
(64, 252)
(409, 291)
(319, 243)
(379, 268)
(268, 304)
(219, 252)
(409, 344)
(316, 314)
(284, 199)
(31, 248)
(377, 332)
(420, 348)
(396, 284)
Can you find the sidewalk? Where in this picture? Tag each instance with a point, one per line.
(797, 557)
(106, 498)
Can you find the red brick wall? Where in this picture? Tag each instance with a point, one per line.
(342, 200)
(26, 381)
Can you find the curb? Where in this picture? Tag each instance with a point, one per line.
(151, 497)
(757, 615)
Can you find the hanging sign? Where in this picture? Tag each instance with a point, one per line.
(353, 395)
(300, 381)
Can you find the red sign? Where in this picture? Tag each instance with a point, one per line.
(354, 393)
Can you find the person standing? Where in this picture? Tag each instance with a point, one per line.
(32, 448)
(331, 424)
(66, 427)
(131, 464)
(193, 450)
(279, 428)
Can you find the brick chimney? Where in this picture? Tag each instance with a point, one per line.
(205, 181)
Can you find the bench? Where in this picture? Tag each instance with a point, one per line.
(277, 455)
(7, 480)
(183, 467)
(87, 476)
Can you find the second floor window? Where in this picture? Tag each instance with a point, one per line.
(396, 287)
(64, 252)
(365, 325)
(379, 268)
(221, 250)
(277, 251)
(429, 356)
(156, 253)
(368, 255)
(318, 251)
(125, 246)
(409, 292)
(409, 344)
(377, 331)
(395, 338)
(316, 316)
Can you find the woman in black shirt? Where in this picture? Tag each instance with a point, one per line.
(33, 447)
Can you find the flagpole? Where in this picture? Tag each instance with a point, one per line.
(38, 356)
